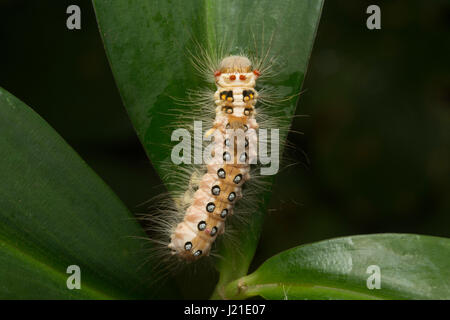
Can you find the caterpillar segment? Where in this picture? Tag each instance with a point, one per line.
(221, 186)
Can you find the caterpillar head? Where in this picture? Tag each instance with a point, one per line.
(236, 71)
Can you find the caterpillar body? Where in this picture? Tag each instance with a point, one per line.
(221, 186)
(243, 105)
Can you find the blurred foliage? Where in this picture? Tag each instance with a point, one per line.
(374, 153)
(56, 212)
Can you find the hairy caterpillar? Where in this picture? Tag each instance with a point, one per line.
(190, 219)
(220, 187)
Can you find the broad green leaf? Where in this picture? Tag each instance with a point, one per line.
(147, 44)
(56, 212)
(410, 267)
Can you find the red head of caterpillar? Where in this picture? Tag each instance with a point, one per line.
(236, 71)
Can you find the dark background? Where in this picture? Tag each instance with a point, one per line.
(374, 153)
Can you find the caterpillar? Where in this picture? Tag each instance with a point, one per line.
(220, 187)
(187, 221)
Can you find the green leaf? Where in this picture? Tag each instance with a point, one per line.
(410, 267)
(147, 44)
(56, 212)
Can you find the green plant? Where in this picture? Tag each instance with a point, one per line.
(56, 212)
